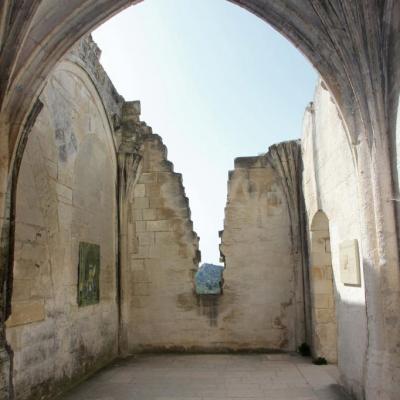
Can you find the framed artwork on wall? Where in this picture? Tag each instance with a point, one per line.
(89, 274)
(350, 263)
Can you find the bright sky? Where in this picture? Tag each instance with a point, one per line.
(215, 82)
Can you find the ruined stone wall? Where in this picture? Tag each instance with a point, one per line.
(160, 309)
(162, 256)
(331, 186)
(66, 195)
(257, 248)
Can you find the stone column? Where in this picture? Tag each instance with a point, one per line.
(286, 160)
(129, 158)
(381, 270)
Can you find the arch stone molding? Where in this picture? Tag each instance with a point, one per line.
(352, 45)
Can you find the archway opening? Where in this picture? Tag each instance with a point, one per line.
(61, 46)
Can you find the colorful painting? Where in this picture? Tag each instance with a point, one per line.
(89, 274)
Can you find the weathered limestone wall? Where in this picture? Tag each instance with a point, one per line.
(162, 256)
(66, 194)
(257, 248)
(258, 307)
(331, 186)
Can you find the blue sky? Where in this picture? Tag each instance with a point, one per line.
(215, 82)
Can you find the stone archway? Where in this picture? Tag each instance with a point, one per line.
(353, 46)
(323, 307)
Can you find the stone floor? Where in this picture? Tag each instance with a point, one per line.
(211, 377)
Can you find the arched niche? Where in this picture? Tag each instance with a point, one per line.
(66, 196)
(323, 305)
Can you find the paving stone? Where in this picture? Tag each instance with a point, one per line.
(211, 377)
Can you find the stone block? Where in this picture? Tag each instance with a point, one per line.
(14, 338)
(21, 290)
(328, 272)
(326, 337)
(141, 276)
(323, 301)
(142, 252)
(138, 214)
(166, 213)
(27, 269)
(64, 193)
(320, 258)
(137, 264)
(317, 273)
(153, 189)
(148, 177)
(163, 166)
(247, 162)
(150, 214)
(52, 169)
(156, 202)
(141, 289)
(165, 239)
(65, 213)
(140, 226)
(163, 177)
(324, 316)
(32, 215)
(322, 287)
(328, 246)
(272, 200)
(137, 302)
(319, 241)
(158, 226)
(145, 238)
(139, 191)
(26, 313)
(133, 244)
(29, 232)
(141, 202)
(165, 252)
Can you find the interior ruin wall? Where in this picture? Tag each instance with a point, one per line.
(256, 244)
(161, 311)
(66, 195)
(330, 185)
(162, 256)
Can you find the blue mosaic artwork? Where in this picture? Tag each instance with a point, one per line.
(208, 279)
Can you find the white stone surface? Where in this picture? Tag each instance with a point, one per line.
(331, 185)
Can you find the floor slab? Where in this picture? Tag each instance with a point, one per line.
(211, 377)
